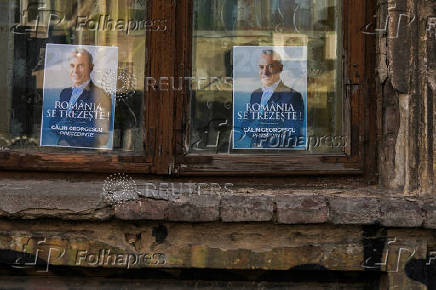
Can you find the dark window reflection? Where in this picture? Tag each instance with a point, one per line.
(219, 25)
(26, 26)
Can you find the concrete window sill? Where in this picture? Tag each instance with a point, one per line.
(285, 201)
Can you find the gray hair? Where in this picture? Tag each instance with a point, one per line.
(84, 51)
(275, 55)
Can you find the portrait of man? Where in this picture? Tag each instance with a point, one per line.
(274, 117)
(82, 114)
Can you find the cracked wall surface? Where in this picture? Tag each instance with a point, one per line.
(405, 69)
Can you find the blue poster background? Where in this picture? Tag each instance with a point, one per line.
(246, 81)
(90, 123)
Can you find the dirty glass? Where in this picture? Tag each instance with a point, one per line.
(222, 25)
(27, 26)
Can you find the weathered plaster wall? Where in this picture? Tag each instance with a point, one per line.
(405, 69)
(50, 247)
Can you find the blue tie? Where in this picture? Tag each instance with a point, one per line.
(74, 97)
(266, 95)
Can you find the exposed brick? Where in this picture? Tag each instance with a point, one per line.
(147, 209)
(195, 208)
(353, 210)
(304, 209)
(401, 213)
(239, 208)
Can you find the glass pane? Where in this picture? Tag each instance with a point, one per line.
(301, 41)
(29, 27)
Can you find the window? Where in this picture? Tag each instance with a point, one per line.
(186, 82)
(218, 44)
(305, 34)
(37, 40)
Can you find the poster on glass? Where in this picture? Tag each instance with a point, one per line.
(79, 96)
(270, 97)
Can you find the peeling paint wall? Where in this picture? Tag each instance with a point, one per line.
(405, 68)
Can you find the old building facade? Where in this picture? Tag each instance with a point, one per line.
(174, 204)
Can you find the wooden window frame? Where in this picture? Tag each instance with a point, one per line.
(94, 161)
(166, 113)
(172, 132)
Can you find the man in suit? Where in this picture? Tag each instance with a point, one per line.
(84, 105)
(275, 109)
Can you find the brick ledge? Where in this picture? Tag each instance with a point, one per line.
(86, 200)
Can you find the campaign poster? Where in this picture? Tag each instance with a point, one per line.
(270, 97)
(79, 96)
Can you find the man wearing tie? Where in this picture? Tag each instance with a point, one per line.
(83, 99)
(274, 106)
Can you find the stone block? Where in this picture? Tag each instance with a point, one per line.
(146, 209)
(401, 213)
(303, 209)
(194, 208)
(245, 208)
(353, 210)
